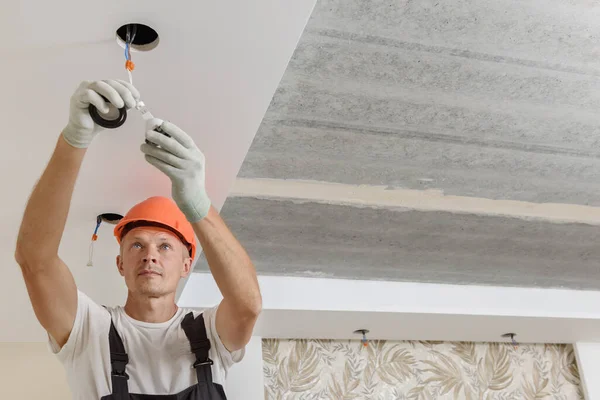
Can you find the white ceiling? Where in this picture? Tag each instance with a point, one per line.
(213, 73)
(490, 101)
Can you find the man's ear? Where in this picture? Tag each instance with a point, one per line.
(187, 266)
(120, 265)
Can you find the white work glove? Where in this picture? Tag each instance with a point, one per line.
(81, 129)
(181, 160)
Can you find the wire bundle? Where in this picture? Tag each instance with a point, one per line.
(129, 65)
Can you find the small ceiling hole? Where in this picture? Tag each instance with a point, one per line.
(111, 218)
(144, 37)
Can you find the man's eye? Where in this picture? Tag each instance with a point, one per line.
(165, 246)
(137, 245)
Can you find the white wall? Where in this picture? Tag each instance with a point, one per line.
(31, 371)
(245, 380)
(588, 361)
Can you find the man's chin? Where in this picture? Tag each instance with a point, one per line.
(150, 290)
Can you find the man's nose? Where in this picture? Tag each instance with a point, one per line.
(150, 255)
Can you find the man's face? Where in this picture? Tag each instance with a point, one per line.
(153, 260)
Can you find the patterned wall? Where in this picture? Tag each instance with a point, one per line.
(344, 370)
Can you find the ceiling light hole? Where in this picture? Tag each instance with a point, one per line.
(111, 218)
(511, 336)
(144, 37)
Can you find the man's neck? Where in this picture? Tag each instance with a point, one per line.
(150, 309)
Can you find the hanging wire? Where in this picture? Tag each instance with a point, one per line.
(91, 255)
(94, 238)
(512, 339)
(364, 340)
(129, 37)
(133, 33)
(514, 342)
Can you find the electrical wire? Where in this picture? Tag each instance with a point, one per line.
(94, 238)
(129, 37)
(129, 66)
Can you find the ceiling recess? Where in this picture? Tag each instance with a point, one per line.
(144, 37)
(111, 218)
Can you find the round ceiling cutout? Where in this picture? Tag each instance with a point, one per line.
(144, 37)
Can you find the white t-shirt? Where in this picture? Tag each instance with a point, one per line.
(160, 358)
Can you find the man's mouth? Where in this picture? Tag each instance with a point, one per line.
(149, 272)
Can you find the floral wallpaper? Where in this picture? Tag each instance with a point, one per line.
(345, 370)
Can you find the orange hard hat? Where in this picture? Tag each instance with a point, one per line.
(160, 212)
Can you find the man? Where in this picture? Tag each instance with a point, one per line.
(149, 348)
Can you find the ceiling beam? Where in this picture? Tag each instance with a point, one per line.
(295, 307)
(423, 200)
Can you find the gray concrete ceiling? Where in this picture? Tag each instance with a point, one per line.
(331, 241)
(490, 99)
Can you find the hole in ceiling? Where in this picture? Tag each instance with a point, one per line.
(145, 38)
(111, 218)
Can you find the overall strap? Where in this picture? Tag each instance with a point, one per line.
(196, 333)
(118, 362)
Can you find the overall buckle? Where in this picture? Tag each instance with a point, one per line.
(120, 374)
(201, 363)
